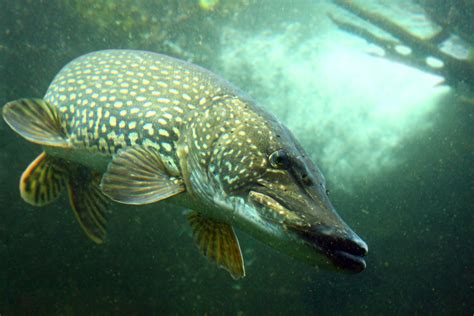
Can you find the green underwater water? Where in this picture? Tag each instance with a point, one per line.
(415, 214)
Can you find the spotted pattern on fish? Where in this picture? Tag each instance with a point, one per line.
(229, 151)
(118, 98)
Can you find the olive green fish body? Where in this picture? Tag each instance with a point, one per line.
(138, 127)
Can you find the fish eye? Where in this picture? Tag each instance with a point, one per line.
(279, 159)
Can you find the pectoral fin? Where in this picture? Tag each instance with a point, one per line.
(88, 203)
(37, 121)
(137, 176)
(218, 242)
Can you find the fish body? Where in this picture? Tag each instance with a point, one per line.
(138, 127)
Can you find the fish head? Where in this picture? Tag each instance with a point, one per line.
(292, 194)
(285, 198)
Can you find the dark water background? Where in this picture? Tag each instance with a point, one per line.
(417, 217)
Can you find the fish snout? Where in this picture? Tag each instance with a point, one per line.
(341, 245)
(335, 239)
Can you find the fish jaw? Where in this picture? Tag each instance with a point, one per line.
(345, 251)
(327, 247)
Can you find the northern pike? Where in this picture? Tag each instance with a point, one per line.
(137, 127)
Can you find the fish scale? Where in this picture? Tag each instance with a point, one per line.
(118, 98)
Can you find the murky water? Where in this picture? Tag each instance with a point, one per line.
(395, 146)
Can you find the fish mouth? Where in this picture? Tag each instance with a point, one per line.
(348, 262)
(345, 250)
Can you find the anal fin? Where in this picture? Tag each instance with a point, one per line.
(37, 121)
(44, 179)
(88, 203)
(218, 242)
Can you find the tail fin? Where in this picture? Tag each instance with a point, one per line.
(47, 176)
(37, 121)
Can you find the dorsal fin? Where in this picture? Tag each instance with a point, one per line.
(218, 242)
(37, 121)
(137, 176)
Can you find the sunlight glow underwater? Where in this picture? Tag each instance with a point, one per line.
(350, 110)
